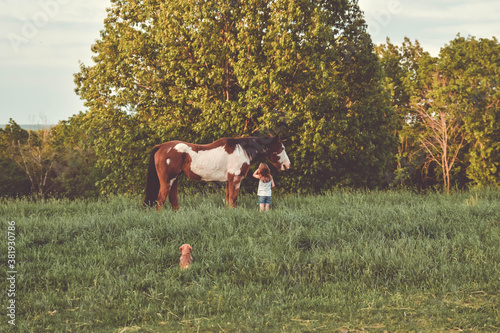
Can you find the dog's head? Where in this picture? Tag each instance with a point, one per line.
(185, 249)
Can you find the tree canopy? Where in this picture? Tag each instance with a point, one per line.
(201, 70)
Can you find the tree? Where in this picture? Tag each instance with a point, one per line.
(36, 158)
(406, 73)
(13, 180)
(443, 136)
(75, 170)
(471, 67)
(201, 70)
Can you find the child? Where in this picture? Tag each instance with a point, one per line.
(266, 183)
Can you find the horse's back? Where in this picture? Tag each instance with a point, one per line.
(209, 162)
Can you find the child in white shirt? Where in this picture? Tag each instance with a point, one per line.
(266, 183)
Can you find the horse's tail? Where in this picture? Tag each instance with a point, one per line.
(152, 182)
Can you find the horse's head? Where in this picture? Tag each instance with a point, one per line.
(277, 155)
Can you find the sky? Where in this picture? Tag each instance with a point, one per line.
(42, 43)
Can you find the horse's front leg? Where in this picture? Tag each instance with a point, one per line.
(233, 188)
(227, 193)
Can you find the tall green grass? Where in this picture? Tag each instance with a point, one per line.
(343, 261)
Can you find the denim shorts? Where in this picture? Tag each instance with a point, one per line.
(264, 199)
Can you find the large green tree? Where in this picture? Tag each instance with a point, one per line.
(200, 70)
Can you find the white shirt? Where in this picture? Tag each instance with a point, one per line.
(264, 189)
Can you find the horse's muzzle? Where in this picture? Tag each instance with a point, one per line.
(285, 166)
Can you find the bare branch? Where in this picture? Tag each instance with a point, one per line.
(443, 138)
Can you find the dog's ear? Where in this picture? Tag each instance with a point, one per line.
(180, 249)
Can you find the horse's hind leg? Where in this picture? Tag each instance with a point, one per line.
(173, 194)
(163, 194)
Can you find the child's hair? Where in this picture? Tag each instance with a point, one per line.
(265, 173)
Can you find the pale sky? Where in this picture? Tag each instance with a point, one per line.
(42, 42)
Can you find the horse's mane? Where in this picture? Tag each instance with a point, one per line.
(253, 146)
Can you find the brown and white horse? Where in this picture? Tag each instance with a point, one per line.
(225, 160)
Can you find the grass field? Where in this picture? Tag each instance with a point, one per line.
(339, 262)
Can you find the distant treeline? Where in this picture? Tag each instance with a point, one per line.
(350, 113)
(33, 127)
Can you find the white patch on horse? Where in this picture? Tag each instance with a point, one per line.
(284, 160)
(215, 164)
(182, 148)
(237, 159)
(168, 161)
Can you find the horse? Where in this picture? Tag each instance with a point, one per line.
(225, 160)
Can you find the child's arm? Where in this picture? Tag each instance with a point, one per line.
(272, 183)
(256, 174)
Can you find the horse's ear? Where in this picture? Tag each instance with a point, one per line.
(277, 138)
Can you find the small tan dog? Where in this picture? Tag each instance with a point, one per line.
(186, 258)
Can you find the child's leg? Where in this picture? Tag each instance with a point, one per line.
(268, 203)
(261, 203)
(262, 207)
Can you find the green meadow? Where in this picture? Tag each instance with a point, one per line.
(345, 261)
